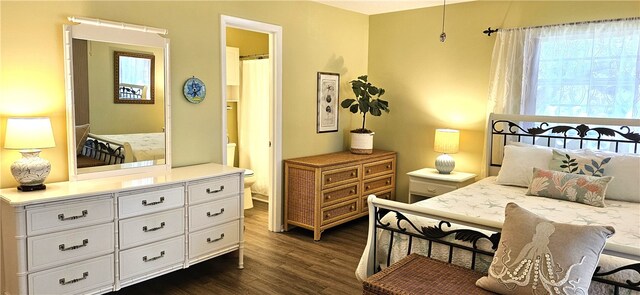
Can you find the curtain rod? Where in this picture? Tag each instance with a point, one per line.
(490, 31)
(254, 56)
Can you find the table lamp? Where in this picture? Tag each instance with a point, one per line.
(446, 142)
(29, 135)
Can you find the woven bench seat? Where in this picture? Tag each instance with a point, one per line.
(417, 274)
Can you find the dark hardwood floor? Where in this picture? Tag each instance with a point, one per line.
(274, 263)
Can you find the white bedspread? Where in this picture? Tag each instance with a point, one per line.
(485, 201)
(145, 146)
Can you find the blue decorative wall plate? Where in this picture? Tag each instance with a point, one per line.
(194, 90)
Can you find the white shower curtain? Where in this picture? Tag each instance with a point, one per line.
(253, 122)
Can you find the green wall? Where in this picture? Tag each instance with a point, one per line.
(444, 85)
(316, 38)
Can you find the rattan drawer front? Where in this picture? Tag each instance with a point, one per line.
(150, 201)
(146, 259)
(79, 278)
(150, 228)
(380, 195)
(69, 246)
(214, 189)
(46, 219)
(340, 211)
(332, 178)
(378, 184)
(337, 195)
(378, 168)
(213, 213)
(213, 239)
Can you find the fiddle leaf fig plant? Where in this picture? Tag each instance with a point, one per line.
(367, 101)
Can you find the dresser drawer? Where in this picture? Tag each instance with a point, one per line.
(68, 215)
(150, 228)
(213, 213)
(69, 246)
(78, 278)
(339, 194)
(149, 201)
(430, 189)
(213, 239)
(214, 189)
(340, 211)
(378, 168)
(378, 184)
(380, 195)
(145, 259)
(332, 178)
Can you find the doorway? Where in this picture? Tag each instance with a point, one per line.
(274, 86)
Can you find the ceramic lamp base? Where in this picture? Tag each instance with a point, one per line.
(445, 164)
(31, 170)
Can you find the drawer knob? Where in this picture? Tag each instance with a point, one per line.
(145, 203)
(327, 215)
(368, 170)
(328, 197)
(431, 190)
(329, 179)
(64, 281)
(352, 192)
(388, 181)
(209, 214)
(352, 208)
(210, 191)
(145, 259)
(353, 174)
(209, 240)
(367, 187)
(388, 166)
(145, 229)
(62, 247)
(62, 218)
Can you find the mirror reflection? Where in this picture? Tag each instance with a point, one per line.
(134, 77)
(111, 134)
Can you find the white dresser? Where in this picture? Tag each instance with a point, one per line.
(97, 236)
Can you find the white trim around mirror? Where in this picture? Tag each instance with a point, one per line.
(122, 33)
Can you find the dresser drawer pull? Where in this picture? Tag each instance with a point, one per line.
(209, 240)
(62, 218)
(388, 182)
(329, 179)
(431, 190)
(328, 197)
(64, 281)
(353, 174)
(215, 214)
(145, 229)
(145, 259)
(144, 202)
(367, 187)
(209, 191)
(388, 166)
(352, 208)
(62, 247)
(327, 215)
(368, 170)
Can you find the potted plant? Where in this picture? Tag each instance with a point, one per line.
(367, 101)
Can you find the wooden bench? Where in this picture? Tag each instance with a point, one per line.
(417, 274)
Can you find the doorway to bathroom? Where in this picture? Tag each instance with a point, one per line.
(251, 109)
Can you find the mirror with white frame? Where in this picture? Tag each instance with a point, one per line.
(105, 137)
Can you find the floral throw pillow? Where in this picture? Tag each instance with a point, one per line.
(539, 256)
(584, 189)
(578, 162)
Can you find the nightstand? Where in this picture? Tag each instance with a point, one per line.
(427, 183)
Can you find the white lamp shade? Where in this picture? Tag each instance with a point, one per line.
(447, 141)
(29, 133)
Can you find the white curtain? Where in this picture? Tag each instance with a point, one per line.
(253, 122)
(587, 69)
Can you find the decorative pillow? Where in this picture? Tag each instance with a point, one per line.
(625, 169)
(539, 256)
(82, 132)
(518, 162)
(559, 185)
(581, 162)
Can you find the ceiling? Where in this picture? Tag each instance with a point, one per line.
(371, 7)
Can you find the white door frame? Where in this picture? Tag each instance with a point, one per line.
(276, 214)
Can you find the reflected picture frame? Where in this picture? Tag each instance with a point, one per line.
(328, 97)
(130, 92)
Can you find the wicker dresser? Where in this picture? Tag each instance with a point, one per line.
(327, 190)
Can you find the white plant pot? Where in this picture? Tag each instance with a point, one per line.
(362, 143)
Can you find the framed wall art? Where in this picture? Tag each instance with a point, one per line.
(328, 89)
